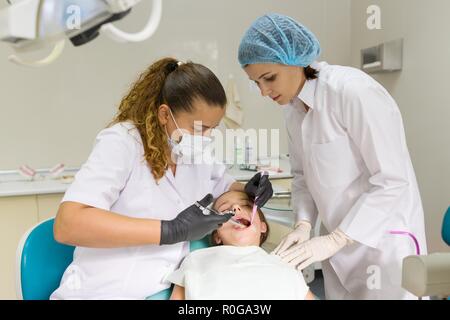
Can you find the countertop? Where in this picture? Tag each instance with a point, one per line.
(13, 184)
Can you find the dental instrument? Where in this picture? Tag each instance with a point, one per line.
(208, 210)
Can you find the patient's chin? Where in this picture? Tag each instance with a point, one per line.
(241, 239)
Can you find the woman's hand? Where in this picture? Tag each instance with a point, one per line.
(317, 249)
(301, 233)
(259, 188)
(191, 224)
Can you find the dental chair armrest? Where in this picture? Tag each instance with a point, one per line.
(427, 275)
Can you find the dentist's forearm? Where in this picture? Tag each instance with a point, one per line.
(80, 225)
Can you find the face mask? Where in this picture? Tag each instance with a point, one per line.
(191, 149)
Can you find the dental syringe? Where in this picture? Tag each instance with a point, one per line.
(208, 210)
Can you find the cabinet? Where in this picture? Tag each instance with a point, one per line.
(278, 213)
(17, 216)
(47, 205)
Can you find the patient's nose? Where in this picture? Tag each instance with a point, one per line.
(236, 208)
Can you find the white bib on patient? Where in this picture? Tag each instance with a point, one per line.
(228, 272)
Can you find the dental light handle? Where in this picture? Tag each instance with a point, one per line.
(54, 54)
(152, 25)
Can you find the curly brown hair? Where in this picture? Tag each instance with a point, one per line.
(177, 85)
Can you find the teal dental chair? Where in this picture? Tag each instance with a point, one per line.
(41, 262)
(446, 227)
(429, 275)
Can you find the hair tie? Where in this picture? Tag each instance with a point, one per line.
(171, 67)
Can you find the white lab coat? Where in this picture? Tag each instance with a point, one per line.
(352, 168)
(116, 177)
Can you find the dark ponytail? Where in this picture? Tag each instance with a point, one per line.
(310, 73)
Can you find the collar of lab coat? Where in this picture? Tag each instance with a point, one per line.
(309, 88)
(307, 93)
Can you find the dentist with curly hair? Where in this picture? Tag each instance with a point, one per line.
(350, 163)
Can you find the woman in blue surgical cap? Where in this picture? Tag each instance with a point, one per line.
(350, 163)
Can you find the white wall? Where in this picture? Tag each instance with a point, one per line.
(52, 114)
(421, 90)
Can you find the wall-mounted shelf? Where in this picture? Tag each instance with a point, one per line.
(386, 57)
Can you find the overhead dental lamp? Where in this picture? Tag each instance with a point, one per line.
(29, 25)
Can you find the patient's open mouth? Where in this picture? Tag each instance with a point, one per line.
(245, 222)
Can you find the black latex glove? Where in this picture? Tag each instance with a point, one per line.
(259, 187)
(191, 224)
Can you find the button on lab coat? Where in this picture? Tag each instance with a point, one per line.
(116, 177)
(352, 168)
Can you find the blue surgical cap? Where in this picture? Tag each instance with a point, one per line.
(275, 38)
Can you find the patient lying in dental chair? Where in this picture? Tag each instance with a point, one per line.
(236, 267)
